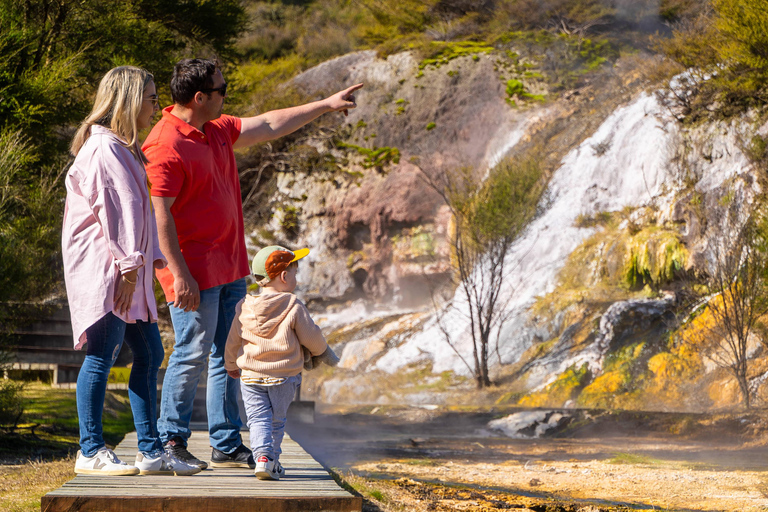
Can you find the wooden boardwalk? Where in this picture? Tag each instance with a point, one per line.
(307, 487)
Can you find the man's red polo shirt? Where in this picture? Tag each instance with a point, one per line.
(199, 170)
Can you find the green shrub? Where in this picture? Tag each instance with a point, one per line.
(440, 52)
(516, 89)
(11, 403)
(725, 51)
(376, 157)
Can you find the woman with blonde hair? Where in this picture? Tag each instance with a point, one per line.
(110, 250)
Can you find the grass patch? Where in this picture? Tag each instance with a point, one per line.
(441, 52)
(49, 426)
(632, 458)
(42, 450)
(21, 487)
(422, 462)
(362, 487)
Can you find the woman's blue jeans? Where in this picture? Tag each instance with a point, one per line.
(105, 338)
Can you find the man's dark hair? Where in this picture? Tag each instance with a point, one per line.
(190, 76)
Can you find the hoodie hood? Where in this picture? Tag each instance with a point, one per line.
(262, 314)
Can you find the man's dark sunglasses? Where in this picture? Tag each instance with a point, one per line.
(222, 90)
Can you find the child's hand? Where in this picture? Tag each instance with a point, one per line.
(235, 374)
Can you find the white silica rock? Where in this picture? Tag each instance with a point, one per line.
(526, 424)
(629, 169)
(511, 425)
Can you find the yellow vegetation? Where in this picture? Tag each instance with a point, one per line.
(563, 389)
(654, 256)
(614, 387)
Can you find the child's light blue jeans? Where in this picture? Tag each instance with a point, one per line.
(267, 409)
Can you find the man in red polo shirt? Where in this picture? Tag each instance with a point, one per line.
(197, 202)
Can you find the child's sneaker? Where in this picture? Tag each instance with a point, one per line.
(164, 464)
(104, 462)
(268, 469)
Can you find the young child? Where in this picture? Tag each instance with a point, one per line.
(265, 350)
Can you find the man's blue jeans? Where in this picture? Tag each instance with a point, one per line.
(105, 338)
(202, 335)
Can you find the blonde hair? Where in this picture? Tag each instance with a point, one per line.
(117, 105)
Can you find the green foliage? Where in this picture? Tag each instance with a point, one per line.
(654, 257)
(571, 16)
(55, 411)
(376, 157)
(396, 18)
(562, 60)
(616, 386)
(29, 226)
(11, 403)
(744, 25)
(566, 387)
(756, 149)
(725, 50)
(516, 89)
(439, 52)
(488, 218)
(430, 126)
(632, 458)
(53, 53)
(501, 206)
(290, 222)
(590, 221)
(672, 11)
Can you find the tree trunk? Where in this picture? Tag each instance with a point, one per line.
(744, 388)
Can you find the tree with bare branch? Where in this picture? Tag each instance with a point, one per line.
(487, 217)
(738, 288)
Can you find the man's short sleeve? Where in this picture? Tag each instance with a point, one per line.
(231, 125)
(165, 171)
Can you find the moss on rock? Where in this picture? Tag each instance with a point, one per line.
(654, 256)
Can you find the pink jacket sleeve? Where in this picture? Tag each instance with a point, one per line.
(115, 200)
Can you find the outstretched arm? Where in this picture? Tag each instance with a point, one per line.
(276, 123)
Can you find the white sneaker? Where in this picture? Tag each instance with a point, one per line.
(268, 469)
(104, 462)
(164, 464)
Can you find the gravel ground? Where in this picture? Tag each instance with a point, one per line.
(654, 461)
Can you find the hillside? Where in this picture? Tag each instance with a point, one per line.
(598, 306)
(643, 123)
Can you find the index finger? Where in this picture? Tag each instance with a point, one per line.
(353, 88)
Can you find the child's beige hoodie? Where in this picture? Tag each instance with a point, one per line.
(267, 334)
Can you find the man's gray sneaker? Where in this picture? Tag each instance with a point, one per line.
(164, 463)
(178, 449)
(240, 458)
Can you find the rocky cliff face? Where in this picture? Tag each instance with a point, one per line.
(631, 190)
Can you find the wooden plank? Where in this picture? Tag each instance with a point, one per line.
(198, 504)
(307, 486)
